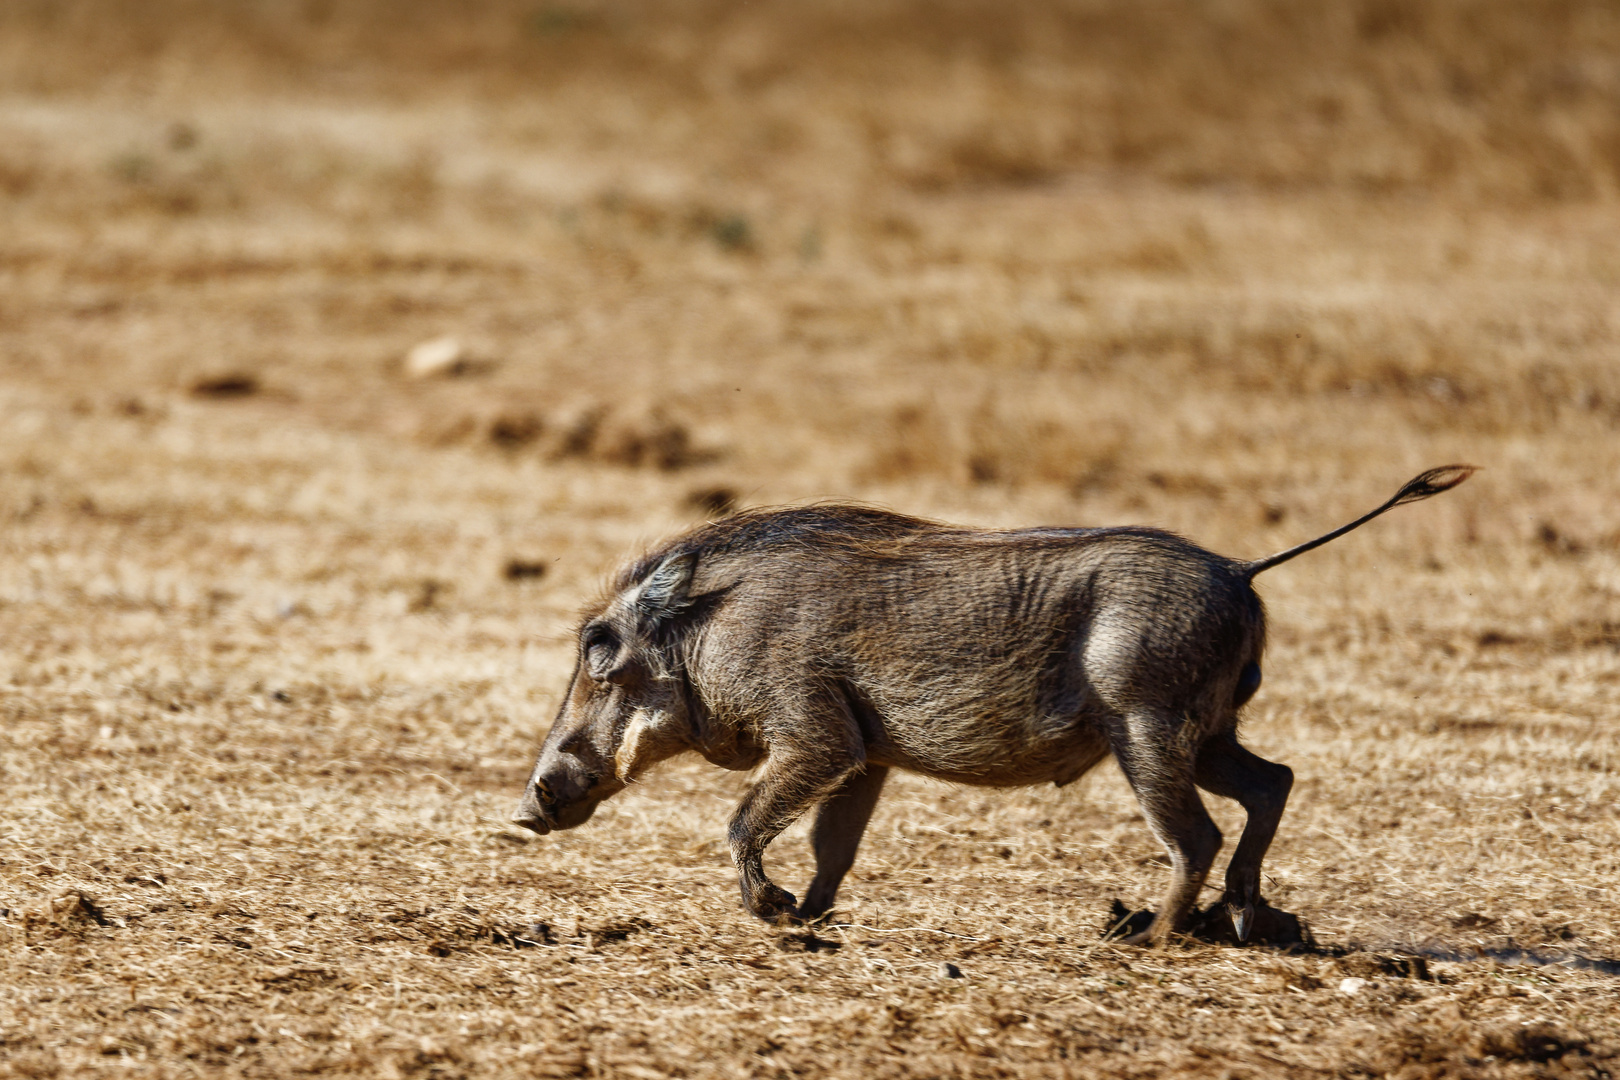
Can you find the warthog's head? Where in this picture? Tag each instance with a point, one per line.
(625, 710)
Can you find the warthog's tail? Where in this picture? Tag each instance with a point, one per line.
(1419, 487)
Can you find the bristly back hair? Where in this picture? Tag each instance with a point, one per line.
(1416, 489)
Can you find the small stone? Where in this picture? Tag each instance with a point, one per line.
(948, 970)
(1352, 985)
(441, 356)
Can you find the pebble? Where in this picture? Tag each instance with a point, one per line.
(948, 970)
(1352, 985)
(441, 356)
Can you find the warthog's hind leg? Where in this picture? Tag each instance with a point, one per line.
(840, 823)
(1225, 768)
(789, 787)
(1149, 749)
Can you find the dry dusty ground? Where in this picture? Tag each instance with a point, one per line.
(283, 625)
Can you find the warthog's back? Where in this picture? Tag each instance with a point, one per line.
(995, 657)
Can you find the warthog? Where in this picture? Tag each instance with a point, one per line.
(826, 645)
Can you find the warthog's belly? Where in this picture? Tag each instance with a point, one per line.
(990, 753)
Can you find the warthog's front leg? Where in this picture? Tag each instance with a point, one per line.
(837, 833)
(1227, 769)
(1150, 751)
(789, 787)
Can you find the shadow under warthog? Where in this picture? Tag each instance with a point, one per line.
(1214, 925)
(1286, 931)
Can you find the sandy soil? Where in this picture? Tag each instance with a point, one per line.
(284, 622)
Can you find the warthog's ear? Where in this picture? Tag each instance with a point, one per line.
(664, 593)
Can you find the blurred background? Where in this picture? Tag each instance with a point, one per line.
(828, 248)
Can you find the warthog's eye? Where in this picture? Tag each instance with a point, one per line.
(601, 646)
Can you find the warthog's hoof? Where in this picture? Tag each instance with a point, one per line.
(771, 903)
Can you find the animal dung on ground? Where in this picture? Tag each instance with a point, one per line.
(440, 356)
(512, 431)
(712, 501)
(826, 645)
(426, 595)
(235, 384)
(650, 439)
(524, 570)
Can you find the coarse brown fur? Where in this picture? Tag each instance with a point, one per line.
(826, 645)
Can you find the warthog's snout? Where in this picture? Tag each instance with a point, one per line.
(532, 812)
(560, 802)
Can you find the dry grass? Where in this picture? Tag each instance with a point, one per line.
(270, 684)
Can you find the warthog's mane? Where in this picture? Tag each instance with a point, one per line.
(822, 525)
(853, 528)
